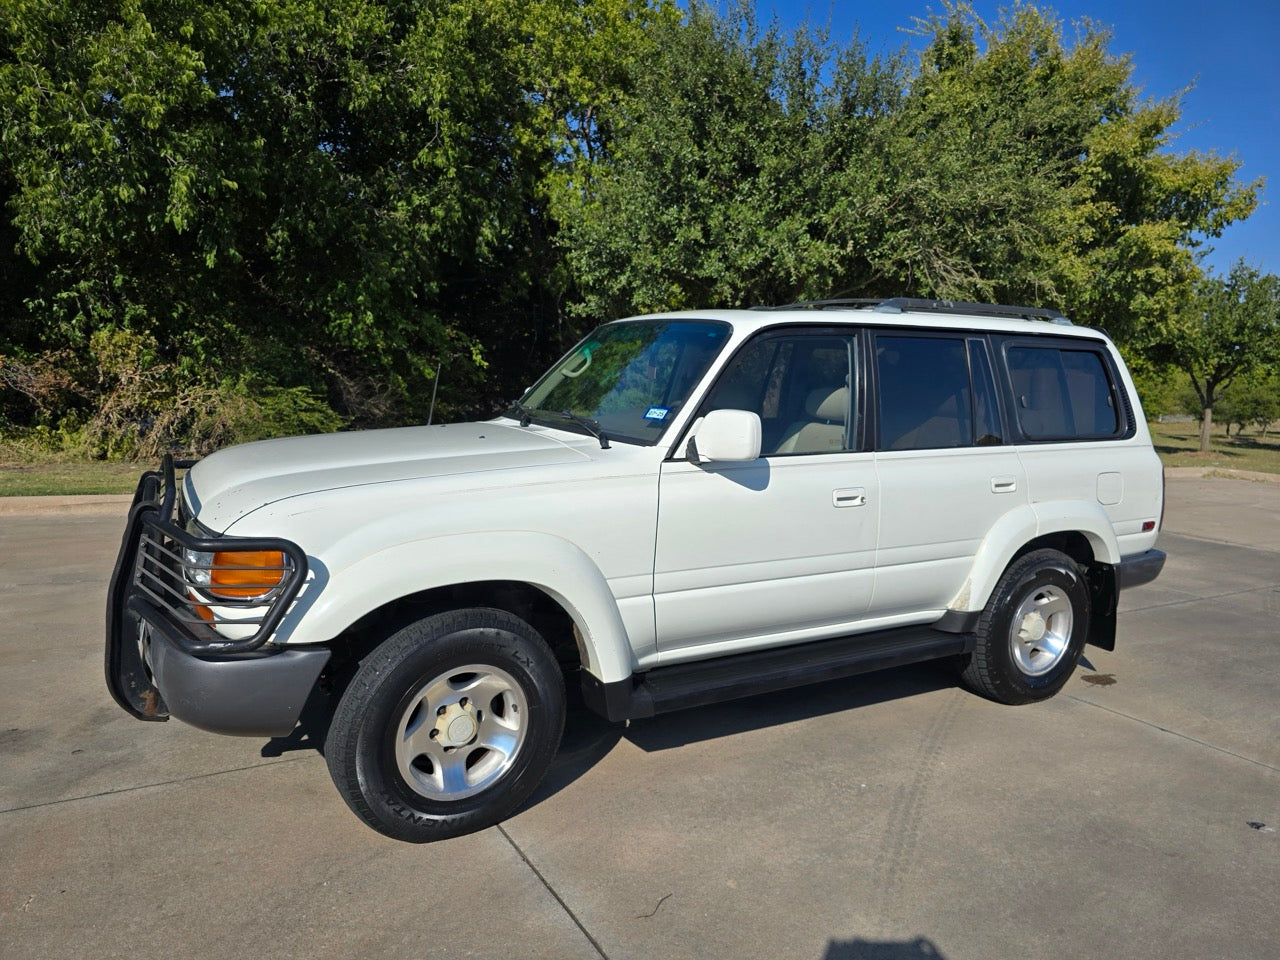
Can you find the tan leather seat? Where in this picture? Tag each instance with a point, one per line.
(823, 431)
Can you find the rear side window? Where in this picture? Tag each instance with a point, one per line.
(925, 399)
(1062, 394)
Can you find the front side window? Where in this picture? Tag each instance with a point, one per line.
(799, 385)
(1062, 394)
(630, 377)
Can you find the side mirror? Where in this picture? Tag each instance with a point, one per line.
(728, 435)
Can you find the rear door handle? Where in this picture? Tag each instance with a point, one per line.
(849, 497)
(1004, 484)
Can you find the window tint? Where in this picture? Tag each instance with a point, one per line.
(923, 390)
(1062, 394)
(799, 386)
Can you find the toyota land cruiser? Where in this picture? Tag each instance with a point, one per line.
(687, 507)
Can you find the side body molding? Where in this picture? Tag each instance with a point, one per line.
(1022, 525)
(555, 566)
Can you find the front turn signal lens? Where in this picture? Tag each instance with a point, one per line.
(245, 573)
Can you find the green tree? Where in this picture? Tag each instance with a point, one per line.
(1022, 169)
(1227, 330)
(332, 196)
(715, 184)
(1251, 400)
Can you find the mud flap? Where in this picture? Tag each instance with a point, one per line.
(1103, 595)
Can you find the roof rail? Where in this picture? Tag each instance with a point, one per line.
(823, 304)
(917, 305)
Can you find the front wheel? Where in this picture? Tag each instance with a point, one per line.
(1033, 631)
(448, 726)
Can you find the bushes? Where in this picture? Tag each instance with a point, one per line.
(127, 402)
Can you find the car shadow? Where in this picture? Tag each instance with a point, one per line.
(918, 949)
(311, 731)
(589, 738)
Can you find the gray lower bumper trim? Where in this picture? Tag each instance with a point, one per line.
(250, 695)
(1139, 569)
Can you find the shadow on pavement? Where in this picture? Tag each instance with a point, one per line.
(671, 730)
(917, 949)
(312, 728)
(589, 738)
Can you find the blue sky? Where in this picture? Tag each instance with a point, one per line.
(1226, 49)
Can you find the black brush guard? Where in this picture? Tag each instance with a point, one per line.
(150, 586)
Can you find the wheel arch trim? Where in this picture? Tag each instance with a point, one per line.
(1016, 529)
(555, 566)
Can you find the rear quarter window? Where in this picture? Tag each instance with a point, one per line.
(1064, 392)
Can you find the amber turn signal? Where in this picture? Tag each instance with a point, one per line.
(245, 573)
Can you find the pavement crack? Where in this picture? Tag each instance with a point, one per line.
(556, 896)
(1175, 733)
(657, 907)
(149, 786)
(1220, 543)
(1212, 596)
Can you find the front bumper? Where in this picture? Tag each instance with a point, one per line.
(170, 651)
(258, 694)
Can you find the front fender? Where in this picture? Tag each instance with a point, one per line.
(555, 566)
(1019, 527)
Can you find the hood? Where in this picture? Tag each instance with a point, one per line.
(231, 483)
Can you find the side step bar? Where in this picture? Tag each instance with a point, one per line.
(696, 684)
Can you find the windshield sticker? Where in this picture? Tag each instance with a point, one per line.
(657, 413)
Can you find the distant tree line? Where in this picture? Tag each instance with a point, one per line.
(227, 220)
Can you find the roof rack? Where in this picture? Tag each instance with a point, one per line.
(824, 304)
(912, 304)
(918, 305)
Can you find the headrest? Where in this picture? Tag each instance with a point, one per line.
(828, 403)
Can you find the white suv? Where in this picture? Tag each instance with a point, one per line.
(688, 507)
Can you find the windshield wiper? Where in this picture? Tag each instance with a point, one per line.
(525, 413)
(591, 426)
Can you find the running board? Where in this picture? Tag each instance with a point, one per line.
(701, 682)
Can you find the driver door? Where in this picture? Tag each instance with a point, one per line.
(780, 549)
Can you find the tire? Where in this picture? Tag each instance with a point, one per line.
(1033, 631)
(448, 726)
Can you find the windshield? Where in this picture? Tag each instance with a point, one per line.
(630, 377)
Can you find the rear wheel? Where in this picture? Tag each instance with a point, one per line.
(1033, 631)
(448, 726)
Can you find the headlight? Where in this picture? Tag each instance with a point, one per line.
(236, 575)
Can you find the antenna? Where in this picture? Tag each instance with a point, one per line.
(434, 387)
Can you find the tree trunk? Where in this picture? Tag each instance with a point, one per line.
(1206, 425)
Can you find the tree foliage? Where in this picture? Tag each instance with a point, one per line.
(334, 207)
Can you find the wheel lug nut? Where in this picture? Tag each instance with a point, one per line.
(462, 702)
(440, 712)
(433, 734)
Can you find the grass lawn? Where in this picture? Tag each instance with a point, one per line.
(23, 474)
(1178, 445)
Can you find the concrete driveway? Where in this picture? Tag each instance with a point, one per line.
(891, 817)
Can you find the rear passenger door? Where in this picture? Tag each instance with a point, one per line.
(946, 469)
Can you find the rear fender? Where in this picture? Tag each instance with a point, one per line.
(1019, 527)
